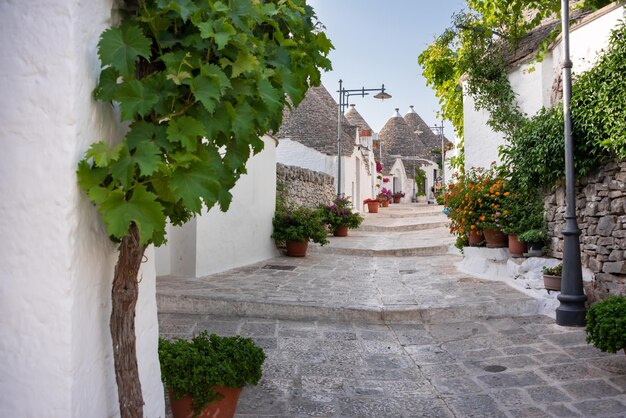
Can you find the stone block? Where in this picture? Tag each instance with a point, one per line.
(617, 185)
(606, 225)
(616, 255)
(591, 209)
(603, 193)
(605, 241)
(594, 265)
(617, 267)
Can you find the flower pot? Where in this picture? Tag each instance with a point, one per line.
(385, 203)
(297, 248)
(222, 408)
(516, 247)
(372, 207)
(422, 199)
(396, 199)
(341, 231)
(475, 238)
(551, 282)
(495, 238)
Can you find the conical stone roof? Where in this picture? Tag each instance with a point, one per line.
(430, 140)
(398, 140)
(355, 118)
(314, 124)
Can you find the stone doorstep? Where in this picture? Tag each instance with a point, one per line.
(399, 252)
(188, 304)
(403, 228)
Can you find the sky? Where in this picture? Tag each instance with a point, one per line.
(378, 41)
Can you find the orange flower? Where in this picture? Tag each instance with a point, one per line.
(473, 227)
(506, 194)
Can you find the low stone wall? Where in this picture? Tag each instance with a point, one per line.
(304, 187)
(601, 210)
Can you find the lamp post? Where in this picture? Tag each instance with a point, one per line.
(344, 96)
(571, 311)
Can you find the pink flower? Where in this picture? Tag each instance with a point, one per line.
(386, 180)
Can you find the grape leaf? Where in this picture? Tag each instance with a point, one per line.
(191, 184)
(135, 98)
(206, 90)
(148, 157)
(142, 209)
(185, 130)
(103, 154)
(107, 85)
(121, 46)
(245, 62)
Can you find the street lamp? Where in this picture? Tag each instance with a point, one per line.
(571, 311)
(344, 96)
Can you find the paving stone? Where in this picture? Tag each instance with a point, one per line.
(367, 407)
(529, 412)
(512, 379)
(559, 410)
(456, 385)
(567, 339)
(591, 389)
(612, 365)
(429, 354)
(455, 331)
(601, 407)
(424, 407)
(570, 371)
(443, 371)
(305, 407)
(475, 406)
(554, 358)
(511, 397)
(547, 394)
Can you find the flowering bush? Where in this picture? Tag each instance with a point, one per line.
(385, 194)
(379, 167)
(386, 179)
(398, 195)
(299, 224)
(340, 214)
(474, 200)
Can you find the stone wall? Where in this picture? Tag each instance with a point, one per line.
(601, 210)
(301, 186)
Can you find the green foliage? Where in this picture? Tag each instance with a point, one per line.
(522, 210)
(606, 324)
(299, 224)
(200, 82)
(196, 367)
(461, 241)
(340, 214)
(535, 236)
(553, 271)
(420, 181)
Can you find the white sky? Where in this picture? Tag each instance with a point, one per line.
(378, 41)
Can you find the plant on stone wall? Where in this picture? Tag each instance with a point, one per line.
(199, 83)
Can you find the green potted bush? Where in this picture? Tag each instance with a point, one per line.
(522, 210)
(205, 375)
(606, 324)
(295, 226)
(536, 239)
(339, 216)
(552, 277)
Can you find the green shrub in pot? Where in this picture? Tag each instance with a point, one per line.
(299, 224)
(197, 367)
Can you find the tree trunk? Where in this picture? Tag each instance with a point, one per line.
(124, 297)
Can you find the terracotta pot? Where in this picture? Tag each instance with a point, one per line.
(222, 408)
(385, 203)
(341, 231)
(297, 248)
(516, 247)
(475, 238)
(396, 199)
(551, 282)
(495, 238)
(372, 207)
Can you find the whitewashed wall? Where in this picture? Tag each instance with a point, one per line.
(534, 88)
(218, 241)
(57, 262)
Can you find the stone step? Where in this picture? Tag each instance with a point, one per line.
(383, 252)
(402, 227)
(195, 304)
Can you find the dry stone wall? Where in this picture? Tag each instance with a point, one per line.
(601, 210)
(304, 187)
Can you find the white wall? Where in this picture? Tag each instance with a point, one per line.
(57, 262)
(290, 152)
(534, 88)
(241, 236)
(218, 241)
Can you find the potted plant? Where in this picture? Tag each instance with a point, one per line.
(339, 216)
(397, 196)
(372, 205)
(552, 277)
(605, 324)
(295, 226)
(535, 238)
(204, 376)
(385, 196)
(522, 210)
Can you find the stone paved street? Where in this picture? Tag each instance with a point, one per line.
(369, 332)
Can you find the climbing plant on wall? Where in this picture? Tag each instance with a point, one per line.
(199, 82)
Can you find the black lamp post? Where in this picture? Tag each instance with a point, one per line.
(344, 96)
(571, 311)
